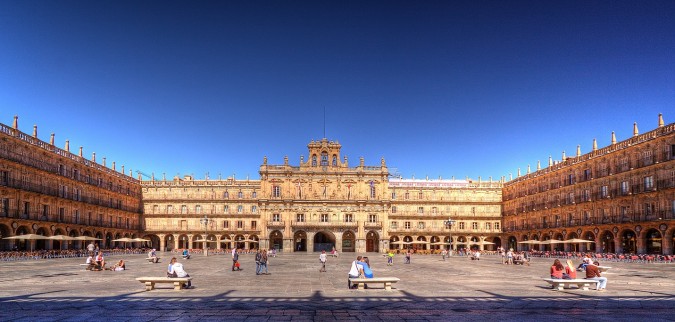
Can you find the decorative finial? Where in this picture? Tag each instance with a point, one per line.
(93, 156)
(528, 169)
(80, 154)
(578, 150)
(35, 131)
(635, 129)
(613, 137)
(51, 139)
(122, 168)
(104, 161)
(15, 124)
(660, 120)
(564, 157)
(595, 145)
(265, 160)
(113, 167)
(538, 165)
(550, 160)
(518, 173)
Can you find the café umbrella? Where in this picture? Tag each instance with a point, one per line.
(28, 237)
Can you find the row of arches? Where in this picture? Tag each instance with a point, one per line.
(445, 242)
(626, 240)
(106, 238)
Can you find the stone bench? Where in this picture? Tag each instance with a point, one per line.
(150, 282)
(361, 281)
(151, 259)
(583, 284)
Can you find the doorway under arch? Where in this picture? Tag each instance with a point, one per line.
(653, 241)
(277, 240)
(348, 242)
(372, 241)
(629, 241)
(300, 241)
(324, 241)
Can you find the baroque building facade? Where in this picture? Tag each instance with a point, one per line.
(320, 204)
(619, 198)
(48, 191)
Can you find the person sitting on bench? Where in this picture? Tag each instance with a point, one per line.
(186, 254)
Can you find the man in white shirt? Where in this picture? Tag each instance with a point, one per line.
(152, 254)
(176, 269)
(322, 259)
(355, 271)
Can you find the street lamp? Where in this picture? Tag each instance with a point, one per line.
(205, 221)
(448, 224)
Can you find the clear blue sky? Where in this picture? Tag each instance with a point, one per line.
(438, 88)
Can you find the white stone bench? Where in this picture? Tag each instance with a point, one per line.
(151, 281)
(583, 284)
(151, 259)
(361, 281)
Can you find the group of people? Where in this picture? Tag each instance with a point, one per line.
(261, 259)
(97, 263)
(560, 271)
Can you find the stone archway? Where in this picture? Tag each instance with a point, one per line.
(169, 242)
(300, 241)
(324, 240)
(277, 240)
(348, 242)
(372, 242)
(629, 241)
(108, 240)
(41, 244)
(653, 241)
(183, 241)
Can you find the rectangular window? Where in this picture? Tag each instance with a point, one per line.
(461, 225)
(372, 191)
(169, 209)
(76, 217)
(4, 178)
(226, 209)
(183, 209)
(407, 196)
(26, 208)
(349, 218)
(497, 225)
(4, 211)
(393, 209)
(198, 209)
(324, 218)
(276, 192)
(300, 218)
(420, 195)
(587, 174)
(45, 212)
(240, 224)
(254, 209)
(624, 188)
(407, 225)
(276, 217)
(372, 218)
(254, 224)
(474, 225)
(240, 195)
(393, 225)
(649, 183)
(393, 195)
(254, 195)
(420, 225)
(604, 191)
(420, 210)
(240, 209)
(488, 226)
(226, 224)
(433, 210)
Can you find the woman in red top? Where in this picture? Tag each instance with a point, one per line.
(570, 270)
(557, 270)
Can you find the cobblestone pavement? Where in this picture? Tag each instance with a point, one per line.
(430, 289)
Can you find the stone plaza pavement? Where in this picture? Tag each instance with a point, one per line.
(430, 289)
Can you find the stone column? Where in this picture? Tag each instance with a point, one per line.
(288, 245)
(338, 242)
(162, 243)
(667, 243)
(617, 244)
(189, 243)
(218, 238)
(310, 241)
(175, 242)
(641, 239)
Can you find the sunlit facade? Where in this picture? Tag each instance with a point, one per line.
(620, 198)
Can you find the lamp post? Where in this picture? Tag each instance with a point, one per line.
(448, 224)
(205, 221)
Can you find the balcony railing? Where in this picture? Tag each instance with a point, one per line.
(302, 224)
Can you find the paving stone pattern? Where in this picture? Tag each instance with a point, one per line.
(430, 289)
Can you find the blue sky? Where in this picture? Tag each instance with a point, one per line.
(438, 88)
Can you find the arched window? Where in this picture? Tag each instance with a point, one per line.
(334, 160)
(183, 209)
(226, 195)
(314, 160)
(324, 159)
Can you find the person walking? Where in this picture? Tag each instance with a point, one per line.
(263, 262)
(235, 260)
(258, 265)
(322, 259)
(390, 258)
